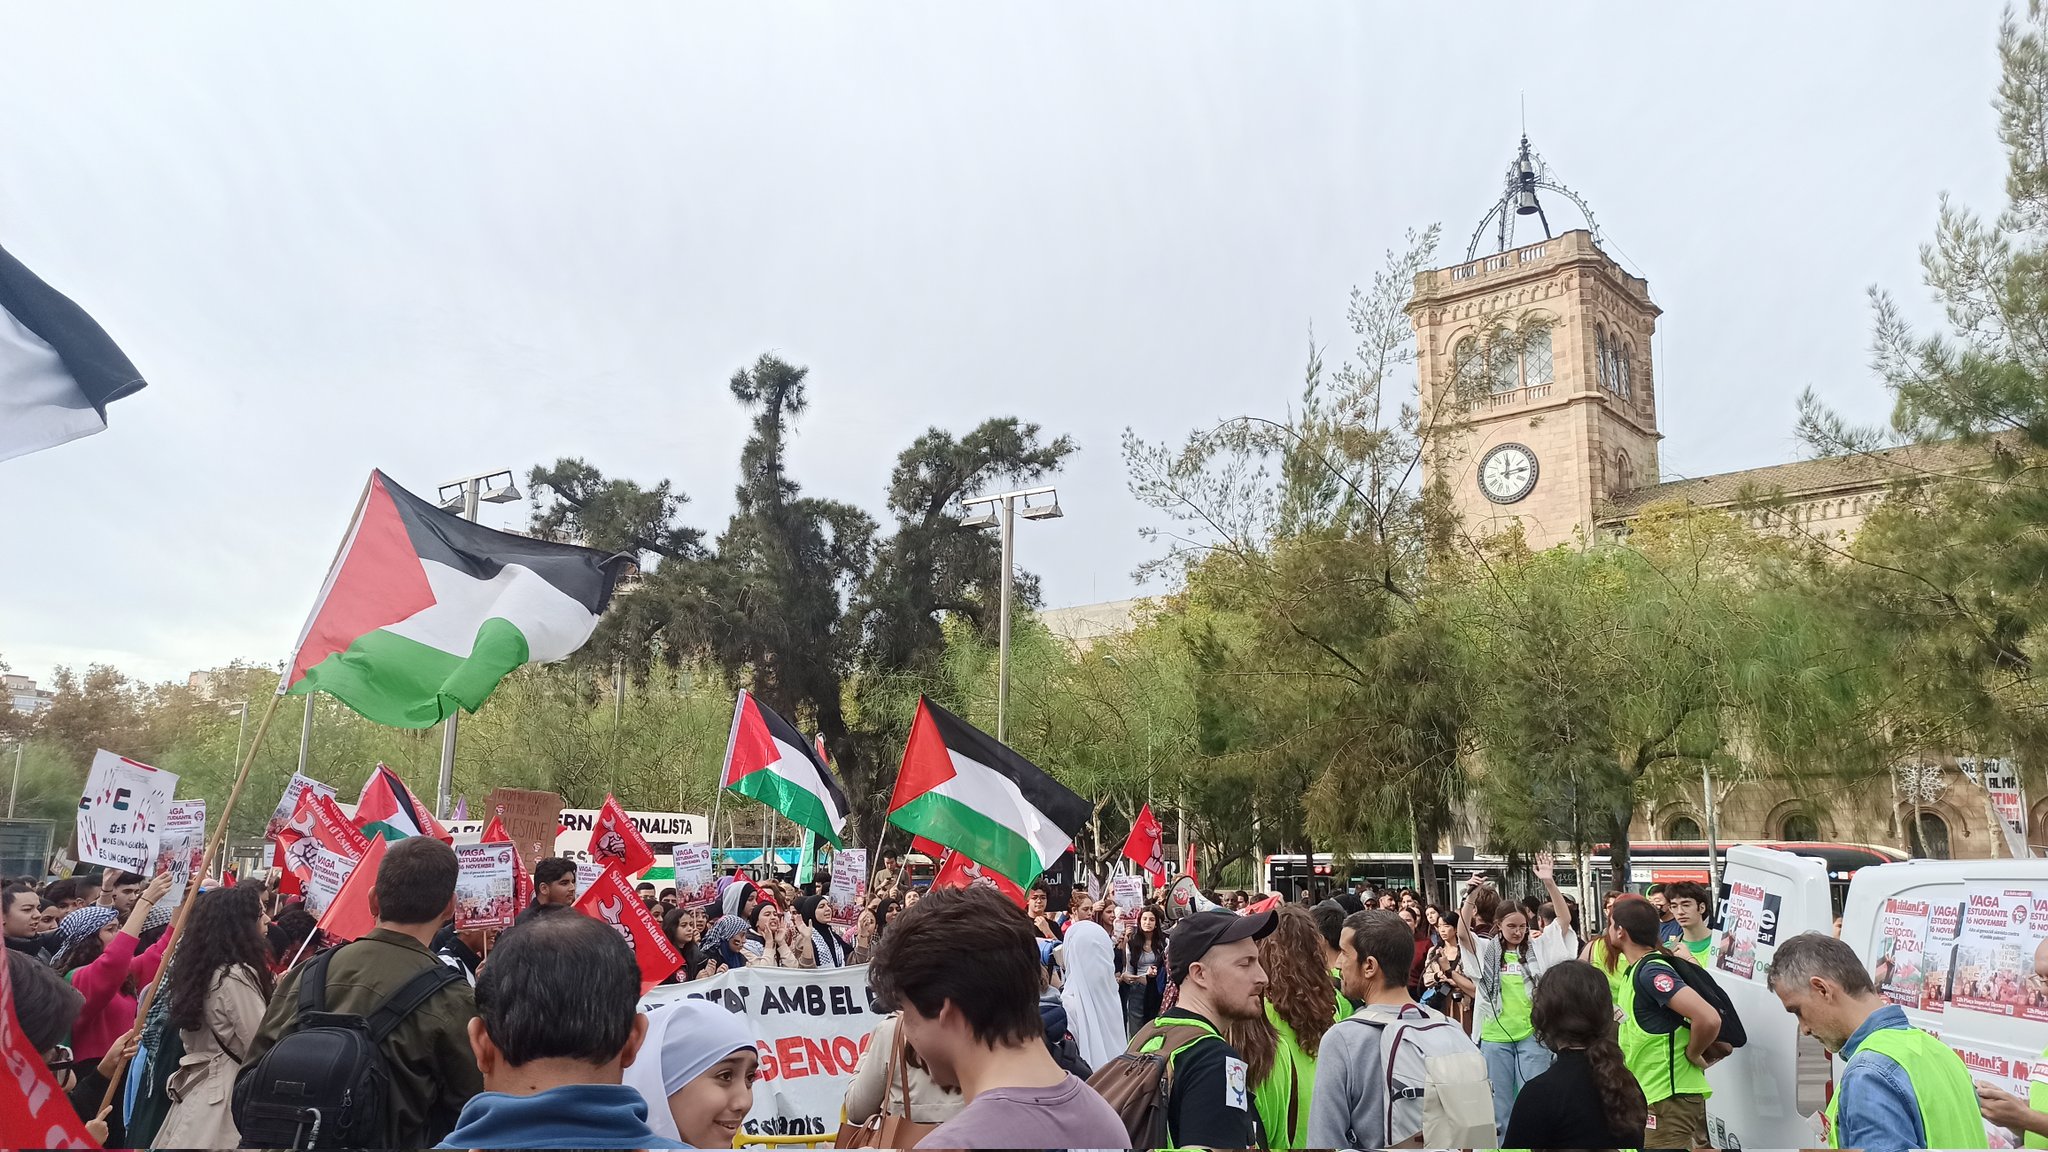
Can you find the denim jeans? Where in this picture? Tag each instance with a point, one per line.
(1508, 1067)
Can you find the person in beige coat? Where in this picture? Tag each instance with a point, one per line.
(219, 985)
(869, 1092)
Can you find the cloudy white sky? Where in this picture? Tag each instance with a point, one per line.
(445, 238)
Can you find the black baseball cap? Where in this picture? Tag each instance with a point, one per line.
(1192, 938)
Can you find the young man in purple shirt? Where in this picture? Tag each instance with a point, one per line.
(961, 967)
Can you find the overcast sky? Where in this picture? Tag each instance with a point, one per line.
(445, 238)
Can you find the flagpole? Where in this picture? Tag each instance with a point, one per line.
(306, 734)
(176, 933)
(472, 493)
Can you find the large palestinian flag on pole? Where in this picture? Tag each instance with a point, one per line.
(767, 759)
(424, 612)
(960, 788)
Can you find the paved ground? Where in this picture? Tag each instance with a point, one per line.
(1813, 1075)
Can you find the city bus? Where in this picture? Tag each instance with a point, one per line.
(1670, 861)
(1322, 874)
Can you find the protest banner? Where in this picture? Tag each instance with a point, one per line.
(810, 1027)
(2000, 779)
(1988, 973)
(121, 815)
(326, 872)
(696, 879)
(34, 1111)
(1898, 971)
(290, 802)
(849, 884)
(180, 848)
(532, 819)
(486, 885)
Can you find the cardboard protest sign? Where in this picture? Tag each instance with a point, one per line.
(289, 803)
(182, 848)
(849, 884)
(486, 885)
(121, 815)
(810, 1027)
(532, 819)
(696, 878)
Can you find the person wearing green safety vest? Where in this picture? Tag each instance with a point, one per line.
(1669, 1033)
(1213, 960)
(1900, 1088)
(2027, 1118)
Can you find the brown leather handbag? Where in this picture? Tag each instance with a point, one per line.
(885, 1130)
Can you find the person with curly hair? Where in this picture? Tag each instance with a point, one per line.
(1280, 1047)
(1587, 1098)
(218, 987)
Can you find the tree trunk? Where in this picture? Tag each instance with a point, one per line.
(1617, 853)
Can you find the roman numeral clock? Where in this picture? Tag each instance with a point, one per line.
(1507, 473)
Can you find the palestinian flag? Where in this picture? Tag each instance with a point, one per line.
(767, 759)
(960, 788)
(58, 368)
(388, 810)
(424, 612)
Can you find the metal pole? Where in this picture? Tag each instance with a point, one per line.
(1003, 619)
(1713, 835)
(472, 493)
(15, 787)
(306, 734)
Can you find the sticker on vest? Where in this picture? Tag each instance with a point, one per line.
(1234, 1079)
(1664, 982)
(1650, 1122)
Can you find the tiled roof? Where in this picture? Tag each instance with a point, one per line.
(1804, 478)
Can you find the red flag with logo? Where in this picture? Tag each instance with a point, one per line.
(332, 829)
(1146, 845)
(522, 880)
(34, 1112)
(611, 900)
(349, 916)
(614, 840)
(957, 871)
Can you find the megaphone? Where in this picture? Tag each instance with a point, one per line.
(1185, 899)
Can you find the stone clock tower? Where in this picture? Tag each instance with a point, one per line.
(1538, 392)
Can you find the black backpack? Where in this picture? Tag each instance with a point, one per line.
(326, 1084)
(1701, 981)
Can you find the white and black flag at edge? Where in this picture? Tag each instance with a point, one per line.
(58, 368)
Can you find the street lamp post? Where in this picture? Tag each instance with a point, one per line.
(241, 708)
(464, 496)
(1007, 518)
(15, 785)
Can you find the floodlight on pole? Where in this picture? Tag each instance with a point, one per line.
(1008, 502)
(464, 497)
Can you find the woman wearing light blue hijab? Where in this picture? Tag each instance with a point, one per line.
(696, 1071)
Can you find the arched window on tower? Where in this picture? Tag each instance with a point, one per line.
(1624, 475)
(1933, 836)
(1626, 351)
(1500, 361)
(1464, 363)
(1600, 353)
(1536, 356)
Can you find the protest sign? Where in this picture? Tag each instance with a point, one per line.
(810, 1027)
(182, 848)
(2000, 779)
(121, 815)
(486, 885)
(1988, 973)
(532, 819)
(1898, 972)
(586, 875)
(1742, 917)
(326, 872)
(1937, 952)
(290, 802)
(849, 884)
(2006, 1069)
(34, 1112)
(696, 880)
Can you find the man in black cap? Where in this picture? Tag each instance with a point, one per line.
(1214, 958)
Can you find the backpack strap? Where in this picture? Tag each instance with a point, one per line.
(408, 998)
(313, 984)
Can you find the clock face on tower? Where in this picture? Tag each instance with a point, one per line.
(1507, 472)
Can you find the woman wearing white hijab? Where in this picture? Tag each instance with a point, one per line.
(1095, 1012)
(696, 1071)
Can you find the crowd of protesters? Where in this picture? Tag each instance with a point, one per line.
(1006, 1026)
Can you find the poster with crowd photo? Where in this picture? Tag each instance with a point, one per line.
(849, 884)
(1899, 973)
(1742, 918)
(486, 885)
(1128, 894)
(122, 812)
(326, 872)
(2033, 994)
(810, 1027)
(290, 803)
(182, 848)
(1990, 953)
(587, 874)
(696, 877)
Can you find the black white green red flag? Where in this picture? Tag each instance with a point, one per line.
(423, 612)
(767, 759)
(961, 788)
(388, 810)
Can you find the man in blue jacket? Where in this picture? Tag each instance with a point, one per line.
(557, 1022)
